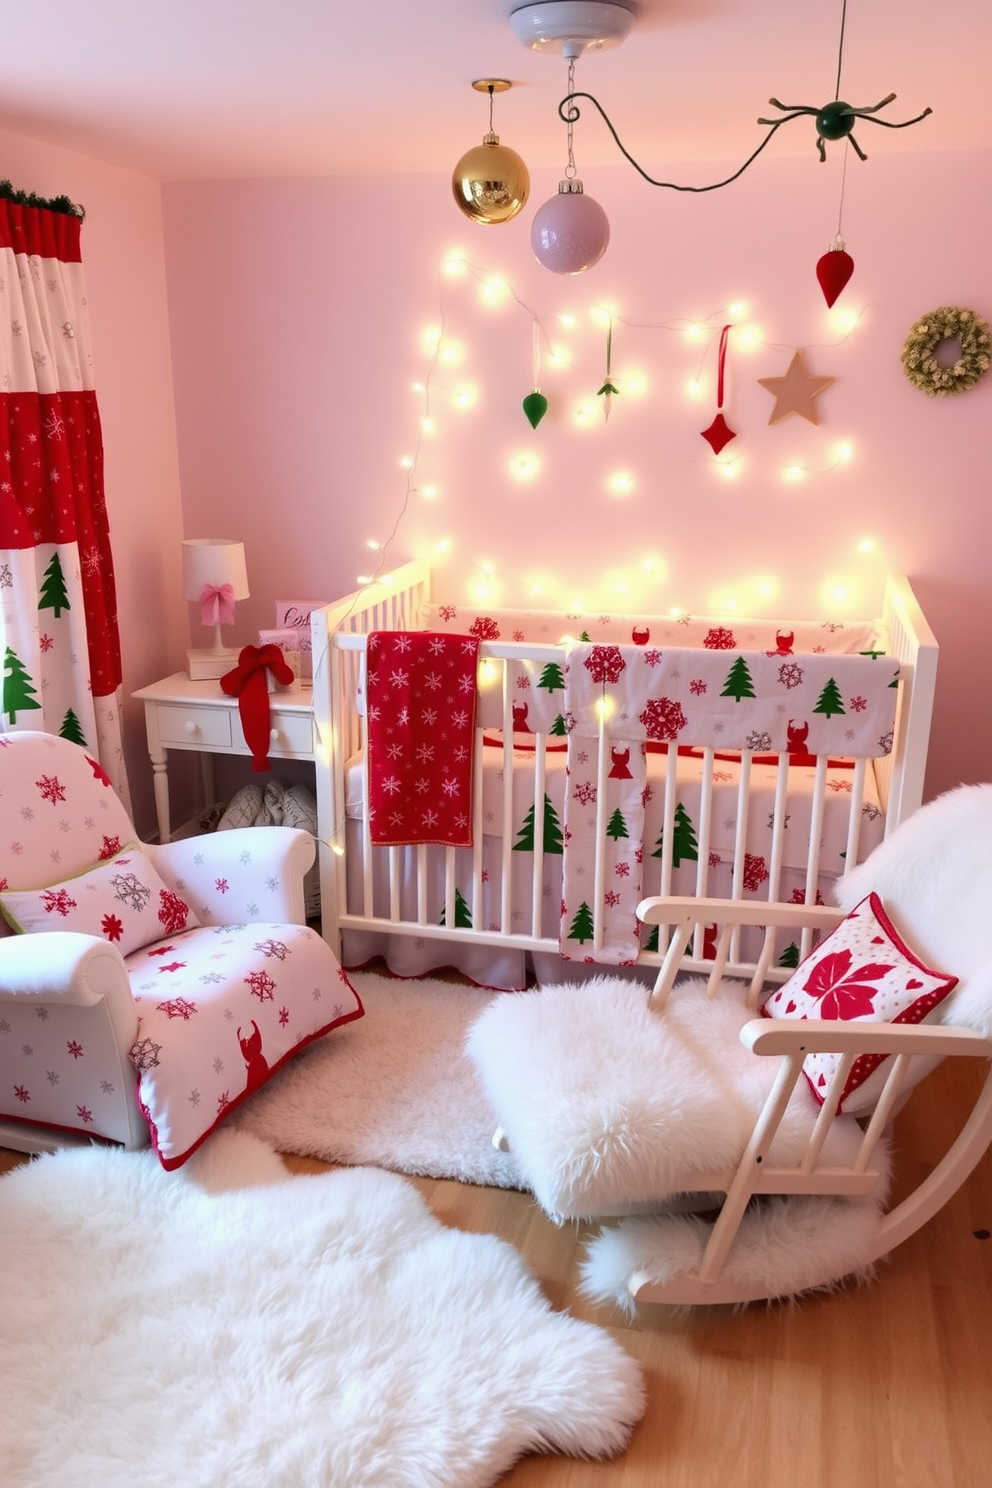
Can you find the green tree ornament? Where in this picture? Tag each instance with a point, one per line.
(830, 701)
(738, 684)
(18, 691)
(535, 406)
(71, 729)
(552, 831)
(582, 926)
(54, 595)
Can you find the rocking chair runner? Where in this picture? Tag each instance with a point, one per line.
(620, 1101)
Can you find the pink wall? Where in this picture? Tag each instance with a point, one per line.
(123, 261)
(298, 308)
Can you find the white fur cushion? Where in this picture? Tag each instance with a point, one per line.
(863, 971)
(122, 900)
(607, 1103)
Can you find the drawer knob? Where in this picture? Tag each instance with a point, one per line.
(189, 727)
(273, 734)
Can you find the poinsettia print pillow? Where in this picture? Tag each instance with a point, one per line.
(863, 971)
(122, 900)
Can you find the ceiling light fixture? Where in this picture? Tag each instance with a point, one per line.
(571, 232)
(490, 182)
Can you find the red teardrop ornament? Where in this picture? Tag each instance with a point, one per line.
(833, 270)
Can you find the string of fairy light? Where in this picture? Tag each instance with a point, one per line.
(494, 288)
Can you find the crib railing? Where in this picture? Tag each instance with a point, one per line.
(390, 891)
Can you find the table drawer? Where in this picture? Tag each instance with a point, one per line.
(291, 733)
(188, 727)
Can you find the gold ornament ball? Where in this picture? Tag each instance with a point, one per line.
(490, 182)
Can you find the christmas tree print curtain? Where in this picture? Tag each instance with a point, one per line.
(61, 648)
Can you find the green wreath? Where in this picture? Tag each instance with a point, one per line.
(948, 323)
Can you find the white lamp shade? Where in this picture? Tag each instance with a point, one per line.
(214, 561)
(570, 232)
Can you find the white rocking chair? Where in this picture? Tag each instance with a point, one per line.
(681, 1104)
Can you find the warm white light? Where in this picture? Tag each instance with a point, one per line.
(622, 483)
(634, 384)
(429, 493)
(584, 413)
(466, 396)
(566, 320)
(844, 317)
(451, 353)
(737, 309)
(375, 546)
(386, 579)
(427, 424)
(482, 593)
(844, 453)
(694, 388)
(867, 545)
(694, 332)
(556, 357)
(794, 472)
(730, 469)
(604, 707)
(363, 579)
(418, 387)
(488, 673)
(430, 339)
(444, 546)
(406, 463)
(455, 267)
(748, 338)
(603, 315)
(524, 466)
(494, 291)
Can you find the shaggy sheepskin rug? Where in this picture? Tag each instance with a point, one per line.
(392, 1090)
(228, 1326)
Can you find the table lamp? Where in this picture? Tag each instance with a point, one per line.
(214, 577)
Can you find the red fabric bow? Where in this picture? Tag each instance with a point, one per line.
(217, 604)
(248, 683)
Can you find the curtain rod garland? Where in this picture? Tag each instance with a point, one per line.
(62, 204)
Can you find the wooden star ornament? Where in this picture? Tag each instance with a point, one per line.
(796, 392)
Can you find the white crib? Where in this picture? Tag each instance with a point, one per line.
(492, 910)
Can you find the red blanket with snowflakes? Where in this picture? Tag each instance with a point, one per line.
(617, 700)
(421, 691)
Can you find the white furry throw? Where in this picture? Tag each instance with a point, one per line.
(322, 1330)
(606, 1103)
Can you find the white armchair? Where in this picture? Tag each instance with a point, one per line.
(158, 986)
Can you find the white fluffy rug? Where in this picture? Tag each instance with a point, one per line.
(394, 1089)
(228, 1326)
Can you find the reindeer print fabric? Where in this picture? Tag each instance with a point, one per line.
(195, 1061)
(619, 700)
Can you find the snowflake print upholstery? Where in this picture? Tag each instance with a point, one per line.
(151, 989)
(124, 900)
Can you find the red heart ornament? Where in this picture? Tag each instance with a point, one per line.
(833, 271)
(913, 983)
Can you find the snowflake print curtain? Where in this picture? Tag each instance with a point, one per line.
(61, 648)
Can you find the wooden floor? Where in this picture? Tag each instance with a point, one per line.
(889, 1386)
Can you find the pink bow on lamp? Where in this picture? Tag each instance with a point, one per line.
(217, 604)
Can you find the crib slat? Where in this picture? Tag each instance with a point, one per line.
(506, 861)
(537, 880)
(477, 827)
(599, 857)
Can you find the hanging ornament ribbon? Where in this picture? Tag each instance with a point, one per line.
(535, 405)
(719, 432)
(217, 604)
(609, 389)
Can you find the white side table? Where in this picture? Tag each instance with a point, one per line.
(198, 716)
